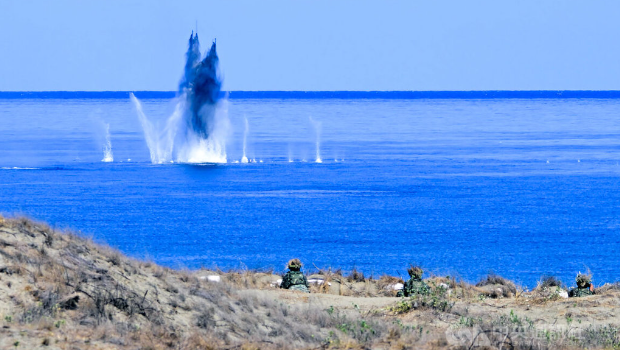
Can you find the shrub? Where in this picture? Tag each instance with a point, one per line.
(437, 300)
(549, 281)
(356, 276)
(507, 288)
(46, 307)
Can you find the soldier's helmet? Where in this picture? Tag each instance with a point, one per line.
(415, 272)
(294, 264)
(583, 280)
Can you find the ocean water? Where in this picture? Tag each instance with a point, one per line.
(519, 186)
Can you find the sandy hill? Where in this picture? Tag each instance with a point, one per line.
(60, 290)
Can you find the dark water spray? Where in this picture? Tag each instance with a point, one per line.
(192, 58)
(202, 85)
(197, 130)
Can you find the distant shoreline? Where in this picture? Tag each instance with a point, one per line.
(395, 95)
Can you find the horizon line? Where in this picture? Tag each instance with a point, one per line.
(330, 94)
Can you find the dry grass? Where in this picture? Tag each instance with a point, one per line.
(608, 289)
(62, 290)
(497, 286)
(67, 284)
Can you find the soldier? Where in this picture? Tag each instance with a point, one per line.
(295, 279)
(415, 285)
(584, 286)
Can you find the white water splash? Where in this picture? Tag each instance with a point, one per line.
(107, 146)
(244, 159)
(178, 143)
(317, 129)
(160, 144)
(290, 153)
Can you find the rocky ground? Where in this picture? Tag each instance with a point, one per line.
(59, 290)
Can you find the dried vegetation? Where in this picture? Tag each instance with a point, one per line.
(61, 290)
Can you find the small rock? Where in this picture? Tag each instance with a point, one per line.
(318, 281)
(396, 286)
(211, 278)
(276, 283)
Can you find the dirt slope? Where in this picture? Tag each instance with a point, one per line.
(59, 290)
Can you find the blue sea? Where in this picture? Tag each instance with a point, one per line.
(463, 184)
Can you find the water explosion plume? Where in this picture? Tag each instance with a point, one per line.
(196, 132)
(107, 146)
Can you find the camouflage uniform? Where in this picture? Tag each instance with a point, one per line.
(584, 287)
(580, 292)
(414, 286)
(295, 280)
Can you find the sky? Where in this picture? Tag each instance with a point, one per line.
(320, 45)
